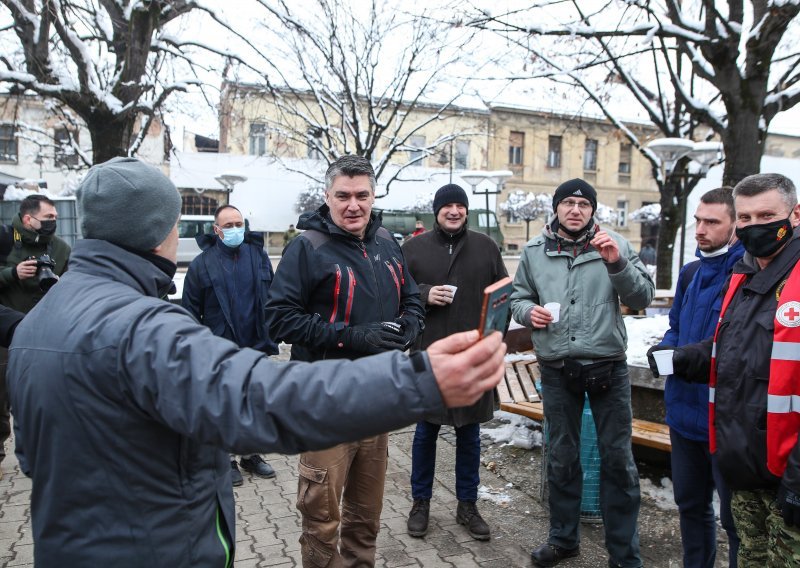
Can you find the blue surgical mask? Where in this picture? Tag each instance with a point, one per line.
(233, 237)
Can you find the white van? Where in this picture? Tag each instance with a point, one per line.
(188, 228)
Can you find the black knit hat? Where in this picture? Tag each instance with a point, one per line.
(575, 188)
(450, 193)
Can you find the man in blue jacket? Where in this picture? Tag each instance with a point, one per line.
(226, 290)
(693, 317)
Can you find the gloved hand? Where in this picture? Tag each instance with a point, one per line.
(652, 360)
(789, 504)
(410, 329)
(681, 364)
(372, 338)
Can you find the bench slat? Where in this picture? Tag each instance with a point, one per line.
(517, 394)
(503, 394)
(527, 383)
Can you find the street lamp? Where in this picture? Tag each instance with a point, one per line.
(475, 178)
(229, 180)
(704, 154)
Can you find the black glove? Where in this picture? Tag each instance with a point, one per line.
(373, 338)
(681, 364)
(410, 329)
(789, 504)
(652, 360)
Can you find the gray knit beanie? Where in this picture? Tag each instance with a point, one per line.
(129, 203)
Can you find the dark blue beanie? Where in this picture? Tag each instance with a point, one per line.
(450, 193)
(575, 188)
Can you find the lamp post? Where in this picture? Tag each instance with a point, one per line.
(475, 178)
(229, 180)
(669, 151)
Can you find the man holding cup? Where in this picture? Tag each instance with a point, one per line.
(693, 317)
(587, 271)
(447, 259)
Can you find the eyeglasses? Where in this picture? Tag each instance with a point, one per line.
(570, 203)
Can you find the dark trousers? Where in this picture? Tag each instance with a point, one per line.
(468, 461)
(619, 479)
(694, 476)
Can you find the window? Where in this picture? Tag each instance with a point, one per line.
(462, 154)
(314, 143)
(590, 155)
(65, 154)
(554, 152)
(625, 158)
(416, 156)
(622, 213)
(511, 217)
(198, 205)
(516, 148)
(258, 139)
(8, 143)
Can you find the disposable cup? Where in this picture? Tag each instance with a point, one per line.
(555, 310)
(452, 289)
(664, 361)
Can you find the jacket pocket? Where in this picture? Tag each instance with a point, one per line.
(313, 493)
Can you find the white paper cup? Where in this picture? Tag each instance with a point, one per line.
(555, 310)
(664, 361)
(451, 288)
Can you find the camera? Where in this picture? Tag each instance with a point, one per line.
(45, 276)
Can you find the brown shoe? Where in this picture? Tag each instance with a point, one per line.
(467, 514)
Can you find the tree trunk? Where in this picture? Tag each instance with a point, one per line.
(111, 135)
(744, 145)
(668, 226)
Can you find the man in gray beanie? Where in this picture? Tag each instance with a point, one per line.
(127, 408)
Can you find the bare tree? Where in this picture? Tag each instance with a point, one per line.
(345, 78)
(310, 199)
(528, 207)
(697, 69)
(112, 62)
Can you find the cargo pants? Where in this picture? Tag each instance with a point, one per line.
(766, 541)
(352, 474)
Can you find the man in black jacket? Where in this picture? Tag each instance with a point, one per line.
(446, 260)
(342, 291)
(754, 369)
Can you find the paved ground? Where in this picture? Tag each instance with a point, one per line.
(268, 525)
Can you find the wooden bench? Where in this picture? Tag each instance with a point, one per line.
(518, 395)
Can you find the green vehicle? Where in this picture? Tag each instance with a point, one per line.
(402, 223)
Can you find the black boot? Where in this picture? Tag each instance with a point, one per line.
(550, 554)
(467, 514)
(418, 518)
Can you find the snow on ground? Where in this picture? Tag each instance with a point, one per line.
(642, 333)
(516, 431)
(497, 496)
(662, 495)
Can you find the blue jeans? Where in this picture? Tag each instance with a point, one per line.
(694, 476)
(468, 461)
(619, 479)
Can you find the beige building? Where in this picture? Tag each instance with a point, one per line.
(40, 141)
(254, 122)
(544, 149)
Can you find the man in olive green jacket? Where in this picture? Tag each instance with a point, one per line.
(588, 271)
(32, 234)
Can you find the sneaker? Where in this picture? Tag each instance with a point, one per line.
(236, 475)
(257, 466)
(418, 518)
(467, 514)
(550, 554)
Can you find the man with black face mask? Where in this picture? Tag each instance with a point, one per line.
(752, 365)
(588, 271)
(33, 235)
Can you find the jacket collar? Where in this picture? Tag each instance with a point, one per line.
(105, 260)
(29, 236)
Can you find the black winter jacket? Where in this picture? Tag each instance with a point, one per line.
(329, 279)
(471, 261)
(744, 347)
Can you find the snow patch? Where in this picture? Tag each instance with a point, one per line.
(496, 496)
(662, 495)
(518, 431)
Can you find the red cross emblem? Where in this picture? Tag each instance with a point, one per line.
(788, 314)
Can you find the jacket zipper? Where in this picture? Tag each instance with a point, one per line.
(351, 292)
(336, 289)
(394, 276)
(400, 270)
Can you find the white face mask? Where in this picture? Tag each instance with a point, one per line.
(720, 251)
